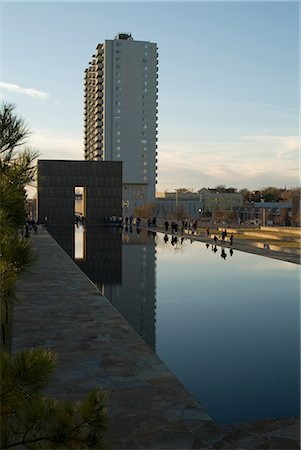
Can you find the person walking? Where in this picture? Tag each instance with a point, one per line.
(26, 235)
(231, 239)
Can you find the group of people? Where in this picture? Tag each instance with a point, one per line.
(80, 220)
(152, 222)
(223, 252)
(173, 226)
(223, 236)
(186, 225)
(29, 225)
(175, 240)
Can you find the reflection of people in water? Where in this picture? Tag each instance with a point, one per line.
(174, 240)
(207, 245)
(223, 254)
(215, 249)
(182, 240)
(138, 230)
(165, 238)
(131, 229)
(231, 251)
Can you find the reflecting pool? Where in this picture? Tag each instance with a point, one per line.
(227, 325)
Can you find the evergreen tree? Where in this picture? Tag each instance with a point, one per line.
(16, 171)
(29, 418)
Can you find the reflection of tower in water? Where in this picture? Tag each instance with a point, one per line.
(135, 298)
(125, 274)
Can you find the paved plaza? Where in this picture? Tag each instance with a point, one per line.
(148, 408)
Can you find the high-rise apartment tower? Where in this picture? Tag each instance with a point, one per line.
(121, 105)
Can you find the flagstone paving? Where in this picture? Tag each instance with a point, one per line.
(148, 408)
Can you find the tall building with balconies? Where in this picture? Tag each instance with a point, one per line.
(121, 106)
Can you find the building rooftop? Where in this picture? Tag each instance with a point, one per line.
(124, 36)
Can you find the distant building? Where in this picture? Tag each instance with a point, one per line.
(202, 205)
(265, 213)
(120, 123)
(181, 194)
(213, 199)
(179, 204)
(273, 213)
(296, 210)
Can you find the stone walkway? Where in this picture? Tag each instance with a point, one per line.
(148, 407)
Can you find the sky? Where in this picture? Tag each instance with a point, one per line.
(228, 83)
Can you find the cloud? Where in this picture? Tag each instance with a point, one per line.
(26, 91)
(50, 145)
(242, 161)
(283, 146)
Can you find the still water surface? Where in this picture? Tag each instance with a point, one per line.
(227, 326)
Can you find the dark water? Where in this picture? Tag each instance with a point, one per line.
(228, 326)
